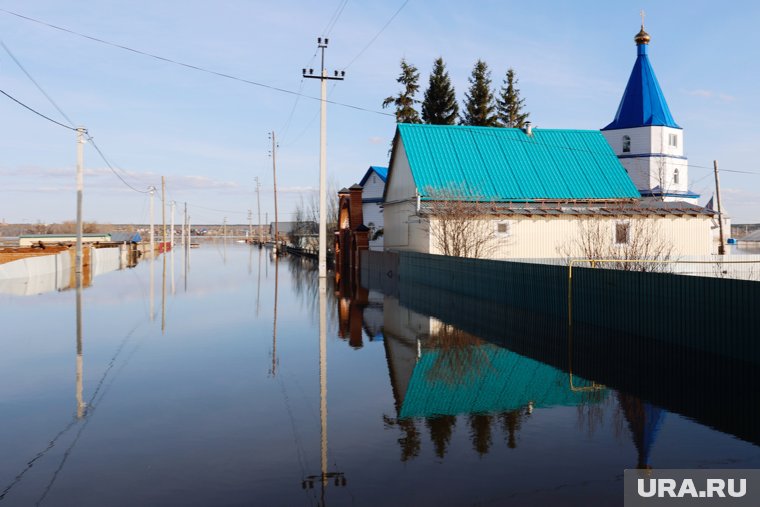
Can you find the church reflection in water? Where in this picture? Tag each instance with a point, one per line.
(489, 374)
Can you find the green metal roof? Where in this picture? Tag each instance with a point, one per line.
(501, 164)
(496, 380)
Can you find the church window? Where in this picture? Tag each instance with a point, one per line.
(622, 233)
(675, 177)
(626, 144)
(673, 140)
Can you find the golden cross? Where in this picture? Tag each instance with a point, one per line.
(642, 17)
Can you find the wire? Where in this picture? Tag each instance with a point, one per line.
(191, 66)
(308, 124)
(36, 112)
(94, 145)
(71, 123)
(50, 99)
(373, 39)
(334, 19)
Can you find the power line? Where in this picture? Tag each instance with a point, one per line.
(334, 18)
(50, 99)
(373, 39)
(190, 66)
(36, 112)
(94, 145)
(71, 123)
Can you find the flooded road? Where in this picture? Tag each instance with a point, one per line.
(201, 386)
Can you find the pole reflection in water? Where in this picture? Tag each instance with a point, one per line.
(152, 286)
(325, 475)
(323, 375)
(174, 291)
(273, 370)
(163, 294)
(258, 284)
(80, 399)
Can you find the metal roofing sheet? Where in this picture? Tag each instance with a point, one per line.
(500, 164)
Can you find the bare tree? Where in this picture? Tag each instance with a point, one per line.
(460, 225)
(306, 216)
(623, 240)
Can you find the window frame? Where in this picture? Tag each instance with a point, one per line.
(627, 225)
(626, 144)
(505, 223)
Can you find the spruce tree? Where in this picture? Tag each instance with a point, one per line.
(404, 101)
(509, 104)
(440, 104)
(479, 101)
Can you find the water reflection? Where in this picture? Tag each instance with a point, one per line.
(462, 360)
(426, 395)
(439, 372)
(55, 272)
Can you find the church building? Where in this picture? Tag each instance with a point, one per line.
(646, 138)
(503, 193)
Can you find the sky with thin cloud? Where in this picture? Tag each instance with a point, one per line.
(208, 134)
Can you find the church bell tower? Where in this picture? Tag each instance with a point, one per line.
(646, 138)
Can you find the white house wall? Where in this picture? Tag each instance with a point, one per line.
(373, 187)
(403, 229)
(372, 210)
(373, 218)
(555, 237)
(400, 184)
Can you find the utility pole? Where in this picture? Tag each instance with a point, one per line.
(721, 247)
(323, 77)
(81, 131)
(274, 179)
(258, 205)
(250, 226)
(171, 236)
(152, 191)
(163, 211)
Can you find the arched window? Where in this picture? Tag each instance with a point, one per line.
(626, 144)
(675, 177)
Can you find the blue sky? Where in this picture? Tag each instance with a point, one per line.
(209, 135)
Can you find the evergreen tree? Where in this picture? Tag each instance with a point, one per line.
(509, 104)
(479, 102)
(404, 101)
(440, 104)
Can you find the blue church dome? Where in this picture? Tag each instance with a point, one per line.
(643, 103)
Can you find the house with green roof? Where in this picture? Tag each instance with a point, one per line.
(522, 193)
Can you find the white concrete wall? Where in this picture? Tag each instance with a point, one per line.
(36, 275)
(104, 260)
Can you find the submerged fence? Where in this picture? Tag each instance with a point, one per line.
(687, 343)
(709, 313)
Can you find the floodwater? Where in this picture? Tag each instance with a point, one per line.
(213, 391)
